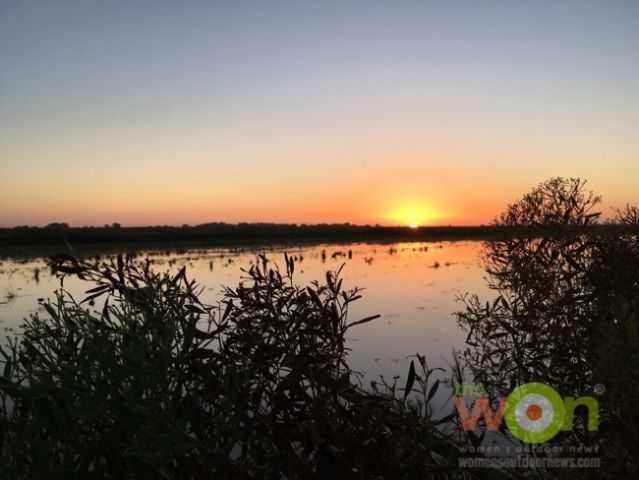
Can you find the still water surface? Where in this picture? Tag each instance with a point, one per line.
(413, 286)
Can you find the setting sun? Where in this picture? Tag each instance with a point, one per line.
(413, 216)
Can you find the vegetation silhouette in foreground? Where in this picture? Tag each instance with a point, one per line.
(566, 313)
(156, 384)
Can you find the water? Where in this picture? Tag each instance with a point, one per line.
(413, 286)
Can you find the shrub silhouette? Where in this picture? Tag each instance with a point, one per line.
(544, 293)
(566, 307)
(156, 384)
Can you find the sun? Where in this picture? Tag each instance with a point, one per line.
(413, 216)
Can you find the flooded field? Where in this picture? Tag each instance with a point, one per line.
(413, 286)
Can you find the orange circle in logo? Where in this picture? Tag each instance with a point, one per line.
(533, 412)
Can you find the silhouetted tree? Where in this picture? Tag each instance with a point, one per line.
(566, 311)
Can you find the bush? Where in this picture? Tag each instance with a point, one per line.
(542, 322)
(156, 384)
(565, 313)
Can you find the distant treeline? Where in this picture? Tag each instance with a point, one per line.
(59, 234)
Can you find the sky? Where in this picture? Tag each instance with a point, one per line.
(427, 112)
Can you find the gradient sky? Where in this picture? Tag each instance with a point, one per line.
(158, 112)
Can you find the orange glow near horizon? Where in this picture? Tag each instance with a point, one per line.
(413, 215)
(404, 185)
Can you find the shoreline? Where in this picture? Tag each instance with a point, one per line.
(38, 242)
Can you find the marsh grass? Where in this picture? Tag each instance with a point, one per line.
(152, 383)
